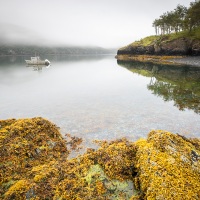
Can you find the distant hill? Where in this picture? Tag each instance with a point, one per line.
(32, 50)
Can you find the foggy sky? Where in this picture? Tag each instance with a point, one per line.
(104, 23)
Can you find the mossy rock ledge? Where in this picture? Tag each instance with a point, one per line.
(35, 164)
(163, 46)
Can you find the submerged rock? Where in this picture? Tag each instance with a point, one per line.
(34, 164)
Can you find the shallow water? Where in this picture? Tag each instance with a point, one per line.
(96, 97)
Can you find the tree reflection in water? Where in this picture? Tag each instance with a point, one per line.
(180, 84)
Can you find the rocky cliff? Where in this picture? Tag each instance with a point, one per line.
(164, 46)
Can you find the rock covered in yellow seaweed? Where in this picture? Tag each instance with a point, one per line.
(168, 167)
(25, 144)
(117, 158)
(34, 164)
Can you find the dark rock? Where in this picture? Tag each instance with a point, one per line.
(137, 50)
(30, 194)
(195, 48)
(195, 157)
(175, 47)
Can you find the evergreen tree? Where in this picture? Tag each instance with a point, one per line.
(179, 19)
(193, 15)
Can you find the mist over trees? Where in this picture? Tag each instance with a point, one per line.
(181, 18)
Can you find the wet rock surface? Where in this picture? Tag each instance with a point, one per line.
(190, 60)
(35, 164)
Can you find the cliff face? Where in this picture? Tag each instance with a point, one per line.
(163, 46)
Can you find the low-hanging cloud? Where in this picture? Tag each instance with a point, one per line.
(106, 23)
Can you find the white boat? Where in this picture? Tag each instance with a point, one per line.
(37, 61)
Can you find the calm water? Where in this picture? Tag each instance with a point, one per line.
(98, 98)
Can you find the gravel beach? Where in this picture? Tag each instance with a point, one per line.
(190, 60)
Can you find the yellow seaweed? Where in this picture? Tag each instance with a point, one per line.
(34, 164)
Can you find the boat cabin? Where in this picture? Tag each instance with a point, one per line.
(35, 59)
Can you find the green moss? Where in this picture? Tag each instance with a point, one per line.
(194, 34)
(157, 39)
(115, 189)
(150, 40)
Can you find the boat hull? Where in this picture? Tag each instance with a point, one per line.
(41, 62)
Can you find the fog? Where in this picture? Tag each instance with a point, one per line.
(104, 23)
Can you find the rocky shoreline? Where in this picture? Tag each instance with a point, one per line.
(35, 164)
(165, 48)
(187, 60)
(171, 60)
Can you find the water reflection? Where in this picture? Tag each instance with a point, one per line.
(10, 60)
(180, 84)
(38, 67)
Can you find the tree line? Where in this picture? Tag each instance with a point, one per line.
(181, 18)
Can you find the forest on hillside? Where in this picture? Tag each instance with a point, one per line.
(32, 50)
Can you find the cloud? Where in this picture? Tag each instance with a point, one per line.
(15, 34)
(106, 23)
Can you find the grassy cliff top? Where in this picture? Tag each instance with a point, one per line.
(150, 40)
